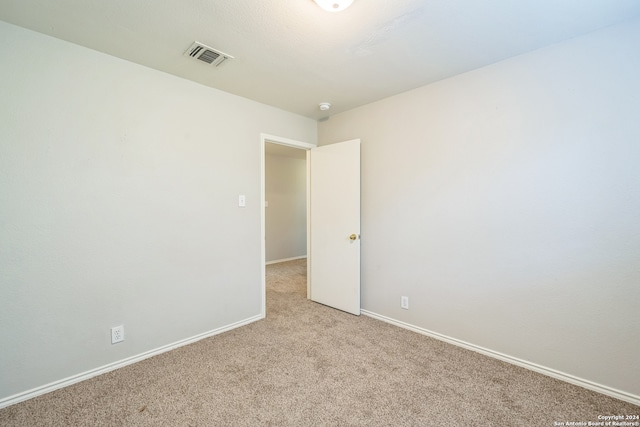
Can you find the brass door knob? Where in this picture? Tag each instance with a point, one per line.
(353, 237)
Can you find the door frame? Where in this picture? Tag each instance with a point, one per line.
(264, 138)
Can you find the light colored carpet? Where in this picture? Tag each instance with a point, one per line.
(307, 365)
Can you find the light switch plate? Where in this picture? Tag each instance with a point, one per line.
(242, 201)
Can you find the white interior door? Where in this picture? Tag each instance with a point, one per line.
(334, 207)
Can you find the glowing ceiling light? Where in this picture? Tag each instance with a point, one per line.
(334, 5)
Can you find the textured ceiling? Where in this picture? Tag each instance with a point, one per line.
(293, 55)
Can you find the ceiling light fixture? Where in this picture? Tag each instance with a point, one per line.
(324, 106)
(334, 5)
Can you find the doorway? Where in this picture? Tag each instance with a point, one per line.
(333, 202)
(273, 144)
(285, 203)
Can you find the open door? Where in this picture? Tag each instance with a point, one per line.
(334, 235)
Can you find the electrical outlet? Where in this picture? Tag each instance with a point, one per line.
(404, 303)
(117, 334)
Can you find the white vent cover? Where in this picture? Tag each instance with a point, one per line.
(206, 54)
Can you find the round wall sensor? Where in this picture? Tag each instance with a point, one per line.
(324, 106)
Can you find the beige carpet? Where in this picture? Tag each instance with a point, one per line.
(306, 365)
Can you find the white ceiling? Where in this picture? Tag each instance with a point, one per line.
(293, 55)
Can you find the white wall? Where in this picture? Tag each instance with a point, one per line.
(505, 203)
(286, 216)
(118, 205)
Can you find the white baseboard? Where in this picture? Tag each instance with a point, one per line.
(29, 394)
(599, 388)
(285, 260)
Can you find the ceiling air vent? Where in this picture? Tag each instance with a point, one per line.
(207, 54)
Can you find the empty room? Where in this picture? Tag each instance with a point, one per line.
(309, 212)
